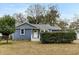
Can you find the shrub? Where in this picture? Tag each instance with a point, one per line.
(57, 37)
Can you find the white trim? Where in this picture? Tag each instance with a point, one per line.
(21, 32)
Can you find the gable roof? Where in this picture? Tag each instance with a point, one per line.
(18, 25)
(41, 26)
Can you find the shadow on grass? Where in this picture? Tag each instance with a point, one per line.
(4, 43)
(37, 42)
(54, 43)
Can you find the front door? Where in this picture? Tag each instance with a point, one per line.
(35, 34)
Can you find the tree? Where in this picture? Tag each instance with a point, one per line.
(19, 18)
(35, 13)
(7, 26)
(40, 19)
(38, 14)
(63, 25)
(74, 25)
(52, 15)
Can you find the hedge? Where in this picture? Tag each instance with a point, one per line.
(57, 37)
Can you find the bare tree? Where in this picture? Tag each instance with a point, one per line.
(19, 17)
(74, 25)
(35, 13)
(63, 25)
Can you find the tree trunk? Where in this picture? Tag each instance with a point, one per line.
(6, 37)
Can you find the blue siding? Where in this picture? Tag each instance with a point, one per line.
(28, 31)
(27, 36)
(16, 35)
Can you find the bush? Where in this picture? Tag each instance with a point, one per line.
(57, 37)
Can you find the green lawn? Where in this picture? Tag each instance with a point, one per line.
(36, 48)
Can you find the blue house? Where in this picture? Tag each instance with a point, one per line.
(27, 31)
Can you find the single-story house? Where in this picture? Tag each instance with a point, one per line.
(27, 31)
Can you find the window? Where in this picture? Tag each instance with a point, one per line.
(22, 32)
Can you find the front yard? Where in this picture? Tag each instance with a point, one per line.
(36, 48)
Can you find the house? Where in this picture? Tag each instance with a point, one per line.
(27, 31)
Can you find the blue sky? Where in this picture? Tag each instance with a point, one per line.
(67, 10)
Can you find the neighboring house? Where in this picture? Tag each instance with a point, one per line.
(77, 32)
(27, 31)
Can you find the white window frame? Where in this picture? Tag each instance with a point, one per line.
(21, 32)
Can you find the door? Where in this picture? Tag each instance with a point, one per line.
(35, 34)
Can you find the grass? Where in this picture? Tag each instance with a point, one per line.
(36, 48)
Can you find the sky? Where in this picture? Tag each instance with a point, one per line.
(66, 10)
